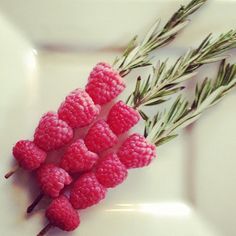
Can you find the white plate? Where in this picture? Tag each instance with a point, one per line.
(189, 190)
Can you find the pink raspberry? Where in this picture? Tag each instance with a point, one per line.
(104, 84)
(87, 191)
(52, 133)
(61, 214)
(52, 179)
(78, 109)
(136, 152)
(110, 171)
(78, 158)
(29, 156)
(100, 137)
(122, 117)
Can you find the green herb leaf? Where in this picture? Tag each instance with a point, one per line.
(137, 53)
(163, 126)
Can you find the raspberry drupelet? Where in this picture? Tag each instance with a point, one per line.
(110, 172)
(86, 191)
(122, 117)
(104, 84)
(78, 109)
(77, 158)
(136, 152)
(28, 156)
(52, 133)
(52, 179)
(61, 214)
(100, 137)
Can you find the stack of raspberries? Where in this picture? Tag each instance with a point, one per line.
(56, 130)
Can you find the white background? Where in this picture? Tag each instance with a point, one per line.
(47, 49)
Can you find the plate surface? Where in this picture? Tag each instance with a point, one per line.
(188, 190)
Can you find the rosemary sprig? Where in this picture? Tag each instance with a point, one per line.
(166, 81)
(137, 53)
(163, 126)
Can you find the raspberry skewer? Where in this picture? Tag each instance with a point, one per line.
(105, 82)
(103, 135)
(158, 130)
(138, 151)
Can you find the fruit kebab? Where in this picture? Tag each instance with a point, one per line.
(138, 150)
(81, 155)
(80, 107)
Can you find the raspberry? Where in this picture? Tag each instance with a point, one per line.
(52, 133)
(100, 137)
(136, 152)
(104, 84)
(78, 109)
(52, 179)
(110, 171)
(61, 214)
(122, 117)
(78, 158)
(87, 191)
(29, 156)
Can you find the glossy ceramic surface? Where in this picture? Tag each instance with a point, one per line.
(188, 191)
